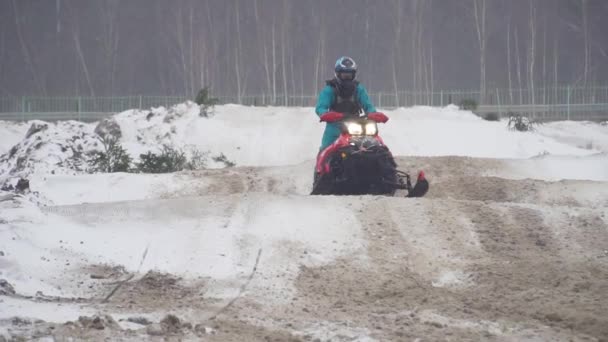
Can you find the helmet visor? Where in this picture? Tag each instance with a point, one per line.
(346, 75)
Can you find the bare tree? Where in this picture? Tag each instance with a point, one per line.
(82, 59)
(26, 53)
(2, 46)
(422, 48)
(397, 48)
(263, 43)
(531, 56)
(518, 66)
(555, 62)
(544, 85)
(179, 29)
(284, 46)
(80, 56)
(479, 13)
(509, 68)
(212, 42)
(237, 54)
(586, 45)
(274, 64)
(320, 55)
(109, 40)
(413, 43)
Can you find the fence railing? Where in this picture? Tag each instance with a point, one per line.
(564, 102)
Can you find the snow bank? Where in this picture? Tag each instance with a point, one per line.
(272, 136)
(555, 168)
(429, 131)
(587, 135)
(50, 148)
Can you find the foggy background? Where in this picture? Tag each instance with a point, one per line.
(249, 47)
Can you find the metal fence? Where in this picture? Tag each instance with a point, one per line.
(555, 103)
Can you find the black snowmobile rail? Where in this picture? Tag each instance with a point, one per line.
(405, 183)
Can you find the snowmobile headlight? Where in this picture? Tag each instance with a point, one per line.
(371, 128)
(354, 128)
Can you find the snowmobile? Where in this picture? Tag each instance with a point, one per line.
(359, 162)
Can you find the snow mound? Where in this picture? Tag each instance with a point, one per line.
(279, 136)
(584, 134)
(50, 148)
(429, 131)
(64, 147)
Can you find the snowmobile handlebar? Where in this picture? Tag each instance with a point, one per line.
(378, 117)
(331, 117)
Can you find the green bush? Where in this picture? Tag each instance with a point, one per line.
(520, 123)
(114, 158)
(221, 158)
(169, 160)
(491, 117)
(205, 101)
(197, 160)
(468, 104)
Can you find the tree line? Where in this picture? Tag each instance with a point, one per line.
(280, 47)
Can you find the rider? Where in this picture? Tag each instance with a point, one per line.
(342, 94)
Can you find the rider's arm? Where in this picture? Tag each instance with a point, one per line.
(364, 99)
(326, 97)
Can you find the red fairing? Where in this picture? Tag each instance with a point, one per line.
(378, 117)
(322, 166)
(421, 176)
(343, 140)
(332, 117)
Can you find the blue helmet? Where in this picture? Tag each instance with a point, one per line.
(345, 66)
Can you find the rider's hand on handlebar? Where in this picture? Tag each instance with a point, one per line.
(332, 117)
(378, 117)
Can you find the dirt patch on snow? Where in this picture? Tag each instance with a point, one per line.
(159, 291)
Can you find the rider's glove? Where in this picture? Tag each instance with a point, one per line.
(378, 117)
(332, 117)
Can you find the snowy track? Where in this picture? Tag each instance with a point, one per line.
(481, 257)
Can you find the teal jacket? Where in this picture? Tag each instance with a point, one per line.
(327, 97)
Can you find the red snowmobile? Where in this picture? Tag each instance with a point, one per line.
(359, 162)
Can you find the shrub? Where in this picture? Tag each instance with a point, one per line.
(197, 160)
(491, 117)
(221, 158)
(169, 160)
(520, 123)
(206, 102)
(114, 158)
(468, 104)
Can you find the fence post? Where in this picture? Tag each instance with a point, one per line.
(380, 99)
(141, 102)
(441, 101)
(568, 101)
